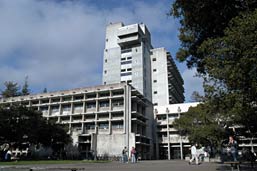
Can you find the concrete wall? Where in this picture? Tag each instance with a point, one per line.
(161, 76)
(111, 60)
(113, 144)
(141, 65)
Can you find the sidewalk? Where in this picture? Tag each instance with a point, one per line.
(153, 165)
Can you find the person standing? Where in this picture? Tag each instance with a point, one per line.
(232, 144)
(124, 155)
(136, 155)
(194, 155)
(133, 155)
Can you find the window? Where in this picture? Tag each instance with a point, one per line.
(66, 98)
(90, 126)
(91, 96)
(103, 126)
(55, 109)
(105, 71)
(106, 40)
(104, 94)
(104, 104)
(118, 125)
(155, 81)
(126, 62)
(129, 81)
(105, 61)
(130, 57)
(154, 70)
(125, 74)
(53, 100)
(118, 103)
(91, 105)
(154, 59)
(126, 50)
(81, 97)
(104, 83)
(129, 69)
(78, 107)
(106, 50)
(123, 70)
(155, 92)
(155, 104)
(123, 59)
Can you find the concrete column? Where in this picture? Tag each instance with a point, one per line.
(60, 111)
(127, 121)
(156, 136)
(110, 125)
(168, 135)
(39, 102)
(180, 141)
(83, 124)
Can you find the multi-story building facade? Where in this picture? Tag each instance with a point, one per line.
(119, 113)
(102, 118)
(129, 57)
(167, 83)
(171, 144)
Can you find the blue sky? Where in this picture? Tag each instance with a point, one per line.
(59, 44)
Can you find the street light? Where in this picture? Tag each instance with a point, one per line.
(181, 145)
(168, 133)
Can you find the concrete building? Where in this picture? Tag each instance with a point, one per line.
(167, 83)
(171, 144)
(102, 118)
(127, 57)
(119, 113)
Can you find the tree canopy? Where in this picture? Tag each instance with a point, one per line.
(204, 19)
(11, 89)
(201, 126)
(19, 124)
(25, 88)
(219, 38)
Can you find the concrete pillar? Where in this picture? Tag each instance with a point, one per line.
(168, 135)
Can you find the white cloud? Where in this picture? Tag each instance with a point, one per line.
(59, 44)
(192, 83)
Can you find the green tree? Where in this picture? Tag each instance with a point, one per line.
(231, 64)
(219, 38)
(25, 88)
(201, 125)
(19, 124)
(11, 89)
(204, 19)
(45, 90)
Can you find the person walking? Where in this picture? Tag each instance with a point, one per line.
(194, 155)
(124, 155)
(133, 155)
(232, 144)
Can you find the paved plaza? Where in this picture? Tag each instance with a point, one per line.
(161, 165)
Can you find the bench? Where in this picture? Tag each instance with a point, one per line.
(233, 164)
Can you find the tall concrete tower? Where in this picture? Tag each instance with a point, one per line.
(127, 57)
(167, 83)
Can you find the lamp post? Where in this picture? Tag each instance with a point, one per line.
(168, 131)
(180, 142)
